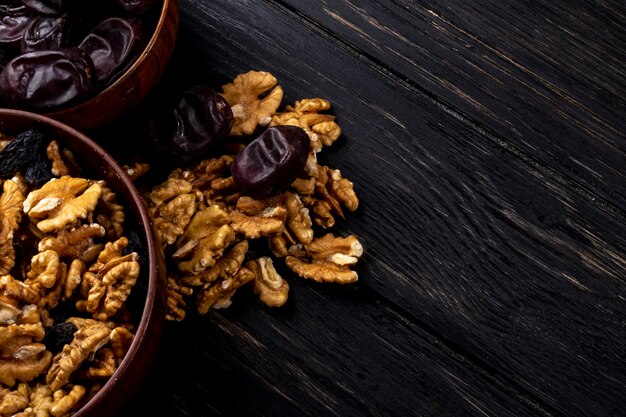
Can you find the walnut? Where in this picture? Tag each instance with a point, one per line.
(8, 311)
(249, 110)
(10, 216)
(73, 278)
(16, 292)
(75, 243)
(218, 295)
(109, 213)
(40, 401)
(59, 168)
(176, 305)
(326, 259)
(255, 218)
(213, 179)
(44, 268)
(321, 128)
(137, 170)
(63, 402)
(24, 369)
(171, 206)
(108, 282)
(271, 288)
(331, 192)
(13, 401)
(61, 202)
(226, 266)
(102, 366)
(298, 219)
(205, 239)
(121, 339)
(168, 190)
(19, 339)
(87, 340)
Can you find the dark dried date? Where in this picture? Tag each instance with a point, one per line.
(113, 45)
(271, 162)
(200, 119)
(13, 24)
(47, 79)
(45, 32)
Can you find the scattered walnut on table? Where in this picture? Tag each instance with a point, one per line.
(326, 259)
(249, 110)
(211, 233)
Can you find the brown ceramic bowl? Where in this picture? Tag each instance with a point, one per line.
(148, 294)
(132, 86)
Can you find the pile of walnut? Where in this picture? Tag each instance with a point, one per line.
(205, 225)
(61, 248)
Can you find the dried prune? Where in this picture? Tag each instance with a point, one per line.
(20, 152)
(134, 6)
(13, 23)
(113, 45)
(271, 162)
(200, 119)
(39, 170)
(47, 79)
(59, 335)
(45, 32)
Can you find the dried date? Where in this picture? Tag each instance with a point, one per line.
(199, 120)
(271, 162)
(45, 32)
(47, 79)
(113, 45)
(13, 24)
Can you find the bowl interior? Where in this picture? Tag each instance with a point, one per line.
(134, 84)
(147, 298)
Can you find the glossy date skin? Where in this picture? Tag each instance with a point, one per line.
(45, 32)
(47, 79)
(113, 45)
(188, 130)
(14, 20)
(271, 162)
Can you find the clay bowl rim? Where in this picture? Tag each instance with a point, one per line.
(164, 17)
(147, 319)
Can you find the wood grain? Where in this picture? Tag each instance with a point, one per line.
(488, 285)
(548, 80)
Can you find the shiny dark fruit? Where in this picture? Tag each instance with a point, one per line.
(47, 7)
(200, 119)
(271, 162)
(39, 171)
(20, 152)
(113, 45)
(135, 6)
(47, 79)
(45, 32)
(13, 24)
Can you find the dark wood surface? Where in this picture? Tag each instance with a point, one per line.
(486, 141)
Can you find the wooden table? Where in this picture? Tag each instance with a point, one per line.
(486, 142)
